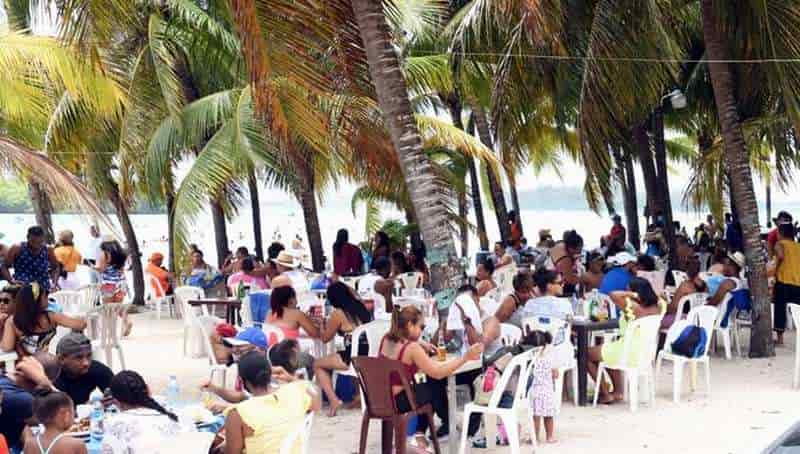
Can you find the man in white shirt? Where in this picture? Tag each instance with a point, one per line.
(93, 251)
(287, 265)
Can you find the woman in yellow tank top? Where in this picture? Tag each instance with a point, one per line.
(787, 282)
(259, 424)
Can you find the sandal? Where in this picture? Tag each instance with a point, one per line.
(419, 444)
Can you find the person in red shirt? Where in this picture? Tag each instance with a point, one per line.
(617, 230)
(772, 236)
(347, 258)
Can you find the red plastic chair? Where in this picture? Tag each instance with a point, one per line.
(375, 378)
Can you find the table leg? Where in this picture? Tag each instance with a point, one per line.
(452, 408)
(583, 359)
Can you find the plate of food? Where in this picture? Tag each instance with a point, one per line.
(80, 429)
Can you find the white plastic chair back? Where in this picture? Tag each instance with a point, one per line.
(704, 317)
(110, 329)
(794, 311)
(374, 330)
(350, 281)
(246, 312)
(154, 286)
(273, 333)
(302, 432)
(379, 308)
(411, 280)
(648, 334)
(509, 334)
(504, 278)
(723, 307)
(489, 306)
(72, 301)
(205, 323)
(91, 294)
(521, 363)
(655, 278)
(679, 277)
(182, 296)
(691, 301)
(493, 294)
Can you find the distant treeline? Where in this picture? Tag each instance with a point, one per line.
(14, 199)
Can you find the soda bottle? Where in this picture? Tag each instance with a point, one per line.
(173, 392)
(96, 422)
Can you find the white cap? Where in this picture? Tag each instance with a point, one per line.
(622, 259)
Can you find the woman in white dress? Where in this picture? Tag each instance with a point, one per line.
(142, 425)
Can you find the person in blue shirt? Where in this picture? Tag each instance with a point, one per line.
(618, 277)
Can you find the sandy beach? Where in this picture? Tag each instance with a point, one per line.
(752, 402)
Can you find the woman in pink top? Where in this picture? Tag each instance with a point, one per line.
(246, 276)
(287, 317)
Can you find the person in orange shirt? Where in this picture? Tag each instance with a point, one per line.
(159, 273)
(69, 258)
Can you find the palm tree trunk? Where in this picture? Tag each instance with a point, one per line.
(737, 162)
(392, 94)
(172, 258)
(413, 236)
(512, 184)
(769, 204)
(464, 228)
(42, 208)
(220, 232)
(475, 191)
(131, 242)
(642, 145)
(255, 207)
(662, 182)
(496, 189)
(626, 181)
(308, 202)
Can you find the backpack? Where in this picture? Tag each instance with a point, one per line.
(691, 342)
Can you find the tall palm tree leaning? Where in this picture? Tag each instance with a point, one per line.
(738, 165)
(392, 94)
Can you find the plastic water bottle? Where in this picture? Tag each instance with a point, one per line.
(173, 392)
(96, 422)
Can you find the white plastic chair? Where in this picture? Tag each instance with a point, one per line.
(641, 369)
(687, 303)
(109, 321)
(504, 278)
(202, 323)
(374, 330)
(509, 334)
(509, 416)
(704, 317)
(553, 325)
(794, 310)
(72, 301)
(351, 281)
(679, 276)
(379, 307)
(154, 286)
(91, 294)
(303, 433)
(9, 359)
(182, 297)
(411, 280)
(725, 333)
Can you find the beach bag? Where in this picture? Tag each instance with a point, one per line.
(691, 342)
(741, 301)
(484, 385)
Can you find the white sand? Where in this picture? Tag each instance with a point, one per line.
(751, 404)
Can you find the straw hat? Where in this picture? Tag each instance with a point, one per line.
(738, 258)
(286, 259)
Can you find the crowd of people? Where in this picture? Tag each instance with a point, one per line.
(547, 280)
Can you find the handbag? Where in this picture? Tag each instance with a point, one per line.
(484, 383)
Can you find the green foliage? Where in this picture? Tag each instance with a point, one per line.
(398, 232)
(14, 197)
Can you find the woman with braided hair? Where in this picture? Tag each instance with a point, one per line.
(142, 422)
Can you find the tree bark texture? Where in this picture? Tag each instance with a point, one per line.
(642, 144)
(738, 165)
(464, 227)
(255, 207)
(132, 243)
(172, 259)
(475, 191)
(220, 232)
(495, 187)
(627, 182)
(662, 183)
(515, 203)
(308, 201)
(43, 209)
(429, 199)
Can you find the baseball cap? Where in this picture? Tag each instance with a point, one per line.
(783, 218)
(253, 336)
(74, 344)
(622, 259)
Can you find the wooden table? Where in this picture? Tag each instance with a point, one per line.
(232, 305)
(583, 328)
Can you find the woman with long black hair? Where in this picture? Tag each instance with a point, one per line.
(142, 421)
(33, 326)
(348, 313)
